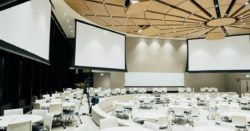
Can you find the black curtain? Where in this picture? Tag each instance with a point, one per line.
(21, 78)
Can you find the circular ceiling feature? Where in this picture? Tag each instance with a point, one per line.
(221, 22)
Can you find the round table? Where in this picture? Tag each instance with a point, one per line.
(126, 128)
(5, 120)
(212, 128)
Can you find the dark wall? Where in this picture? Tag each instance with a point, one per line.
(21, 78)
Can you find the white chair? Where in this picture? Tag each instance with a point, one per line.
(20, 126)
(118, 90)
(41, 113)
(180, 90)
(239, 121)
(57, 111)
(163, 122)
(46, 96)
(101, 94)
(189, 89)
(123, 91)
(164, 90)
(82, 128)
(36, 105)
(159, 90)
(109, 122)
(56, 100)
(48, 119)
(55, 95)
(135, 90)
(114, 92)
(154, 90)
(179, 114)
(13, 112)
(151, 126)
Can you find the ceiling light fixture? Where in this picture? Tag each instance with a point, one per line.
(68, 20)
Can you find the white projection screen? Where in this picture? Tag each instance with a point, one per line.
(229, 54)
(98, 48)
(25, 29)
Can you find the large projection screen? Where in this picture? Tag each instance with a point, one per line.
(142, 79)
(229, 54)
(98, 48)
(25, 29)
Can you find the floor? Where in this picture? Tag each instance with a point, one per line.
(86, 120)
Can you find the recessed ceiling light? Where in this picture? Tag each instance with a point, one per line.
(65, 13)
(216, 5)
(68, 20)
(139, 30)
(71, 31)
(70, 26)
(246, 3)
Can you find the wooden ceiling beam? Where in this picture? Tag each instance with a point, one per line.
(175, 7)
(201, 8)
(230, 7)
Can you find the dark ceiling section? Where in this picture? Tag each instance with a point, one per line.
(5, 4)
(217, 8)
(230, 7)
(201, 8)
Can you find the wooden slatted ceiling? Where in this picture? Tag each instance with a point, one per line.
(173, 2)
(96, 8)
(158, 7)
(125, 21)
(79, 6)
(116, 10)
(116, 2)
(166, 18)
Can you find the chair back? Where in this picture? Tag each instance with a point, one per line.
(239, 120)
(36, 106)
(123, 91)
(40, 112)
(13, 112)
(179, 111)
(48, 119)
(163, 120)
(55, 109)
(108, 122)
(20, 126)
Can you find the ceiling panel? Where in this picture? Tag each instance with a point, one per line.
(172, 18)
(93, 6)
(115, 10)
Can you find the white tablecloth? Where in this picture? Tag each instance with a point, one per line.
(5, 120)
(65, 104)
(212, 128)
(125, 128)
